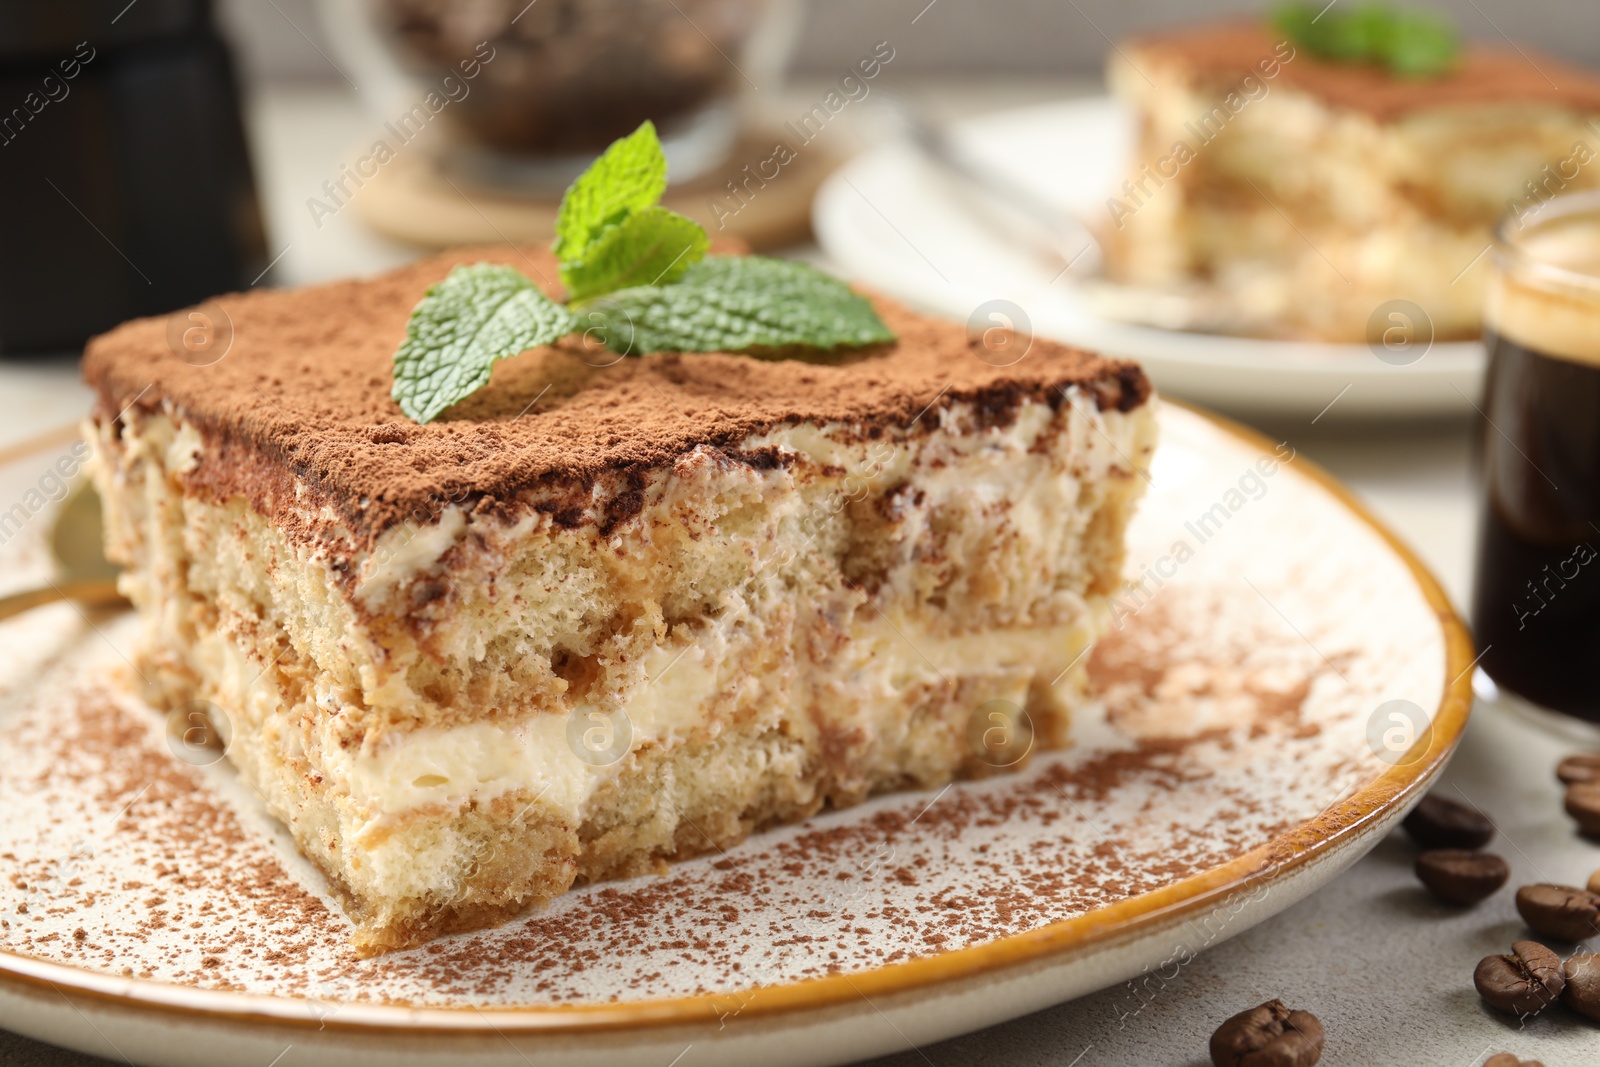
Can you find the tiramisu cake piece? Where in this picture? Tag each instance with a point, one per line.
(605, 611)
(1313, 191)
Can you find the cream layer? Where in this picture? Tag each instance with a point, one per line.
(564, 759)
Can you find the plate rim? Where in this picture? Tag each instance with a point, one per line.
(1321, 836)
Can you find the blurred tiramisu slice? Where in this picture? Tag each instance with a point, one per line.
(602, 615)
(1318, 170)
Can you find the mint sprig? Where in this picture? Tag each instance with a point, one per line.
(640, 277)
(738, 304)
(1407, 41)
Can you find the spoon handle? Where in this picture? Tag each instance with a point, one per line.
(99, 593)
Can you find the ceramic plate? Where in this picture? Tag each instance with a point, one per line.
(888, 221)
(1280, 683)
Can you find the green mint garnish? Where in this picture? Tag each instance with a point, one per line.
(639, 277)
(651, 247)
(1406, 41)
(629, 176)
(735, 304)
(463, 326)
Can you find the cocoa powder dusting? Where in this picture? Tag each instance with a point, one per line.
(297, 415)
(1217, 56)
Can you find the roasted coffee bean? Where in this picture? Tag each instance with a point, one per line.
(1583, 804)
(1564, 912)
(1521, 982)
(1584, 767)
(1269, 1035)
(1439, 822)
(1582, 993)
(1457, 876)
(1506, 1059)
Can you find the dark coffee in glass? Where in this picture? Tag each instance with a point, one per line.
(1536, 599)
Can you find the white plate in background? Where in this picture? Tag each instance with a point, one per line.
(892, 223)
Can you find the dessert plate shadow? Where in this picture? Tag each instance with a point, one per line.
(1281, 682)
(890, 221)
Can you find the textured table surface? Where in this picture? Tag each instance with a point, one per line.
(1387, 970)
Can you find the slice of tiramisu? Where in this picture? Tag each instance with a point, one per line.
(603, 611)
(1319, 170)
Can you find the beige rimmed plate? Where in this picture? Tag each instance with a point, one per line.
(1282, 682)
(889, 221)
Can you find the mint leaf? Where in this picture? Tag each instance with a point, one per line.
(478, 315)
(651, 247)
(1358, 35)
(1409, 42)
(1422, 45)
(1295, 21)
(628, 176)
(735, 304)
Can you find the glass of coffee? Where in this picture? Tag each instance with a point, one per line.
(1536, 598)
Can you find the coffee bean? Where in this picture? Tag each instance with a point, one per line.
(1582, 993)
(1584, 767)
(1506, 1059)
(1583, 804)
(1457, 876)
(1269, 1035)
(1564, 912)
(1439, 822)
(1521, 982)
